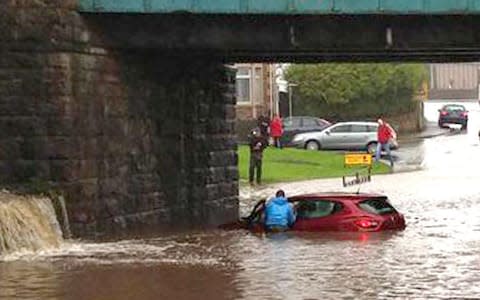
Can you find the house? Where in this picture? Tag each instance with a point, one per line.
(256, 90)
(459, 81)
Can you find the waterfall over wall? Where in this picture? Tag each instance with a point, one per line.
(27, 223)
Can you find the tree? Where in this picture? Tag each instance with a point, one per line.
(346, 91)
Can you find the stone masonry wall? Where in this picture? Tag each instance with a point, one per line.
(409, 122)
(131, 138)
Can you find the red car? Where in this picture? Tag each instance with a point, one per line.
(335, 212)
(453, 114)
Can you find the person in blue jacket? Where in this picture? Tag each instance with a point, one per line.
(279, 213)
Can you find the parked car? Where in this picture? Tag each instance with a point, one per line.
(300, 124)
(342, 136)
(333, 212)
(453, 114)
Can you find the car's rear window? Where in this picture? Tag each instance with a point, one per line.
(378, 206)
(309, 122)
(291, 122)
(454, 107)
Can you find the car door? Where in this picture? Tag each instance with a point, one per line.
(358, 136)
(318, 215)
(335, 137)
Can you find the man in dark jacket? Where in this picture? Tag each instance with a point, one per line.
(263, 123)
(257, 145)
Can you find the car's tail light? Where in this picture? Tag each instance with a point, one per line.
(464, 114)
(366, 223)
(444, 113)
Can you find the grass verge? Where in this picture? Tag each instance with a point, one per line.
(281, 165)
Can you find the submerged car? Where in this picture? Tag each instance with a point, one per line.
(453, 114)
(335, 212)
(342, 136)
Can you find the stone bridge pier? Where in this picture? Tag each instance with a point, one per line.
(132, 138)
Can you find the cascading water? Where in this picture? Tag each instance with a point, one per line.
(27, 224)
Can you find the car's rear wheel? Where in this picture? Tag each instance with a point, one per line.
(372, 148)
(312, 145)
(465, 125)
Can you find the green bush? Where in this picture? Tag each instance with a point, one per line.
(355, 91)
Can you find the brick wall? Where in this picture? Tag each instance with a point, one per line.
(131, 138)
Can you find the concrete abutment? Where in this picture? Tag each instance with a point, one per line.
(131, 138)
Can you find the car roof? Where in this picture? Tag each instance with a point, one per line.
(336, 196)
(454, 105)
(298, 117)
(357, 123)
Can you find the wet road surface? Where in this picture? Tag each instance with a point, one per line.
(436, 257)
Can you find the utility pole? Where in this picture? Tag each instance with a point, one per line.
(290, 92)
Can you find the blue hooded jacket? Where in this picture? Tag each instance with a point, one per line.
(278, 212)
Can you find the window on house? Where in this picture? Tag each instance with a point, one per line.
(258, 86)
(243, 85)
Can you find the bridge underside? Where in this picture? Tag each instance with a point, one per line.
(298, 38)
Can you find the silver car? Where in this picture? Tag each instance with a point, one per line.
(341, 136)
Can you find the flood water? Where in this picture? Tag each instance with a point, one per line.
(436, 257)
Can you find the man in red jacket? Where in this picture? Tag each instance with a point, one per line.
(384, 134)
(276, 130)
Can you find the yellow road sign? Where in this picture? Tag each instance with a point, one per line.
(352, 159)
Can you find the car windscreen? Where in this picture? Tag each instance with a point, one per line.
(378, 206)
(323, 123)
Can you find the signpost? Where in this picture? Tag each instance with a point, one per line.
(354, 160)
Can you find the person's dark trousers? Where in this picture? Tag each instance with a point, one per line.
(255, 163)
(277, 143)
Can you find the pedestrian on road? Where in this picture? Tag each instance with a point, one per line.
(257, 145)
(276, 131)
(385, 134)
(279, 213)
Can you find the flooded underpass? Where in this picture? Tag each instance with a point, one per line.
(435, 257)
